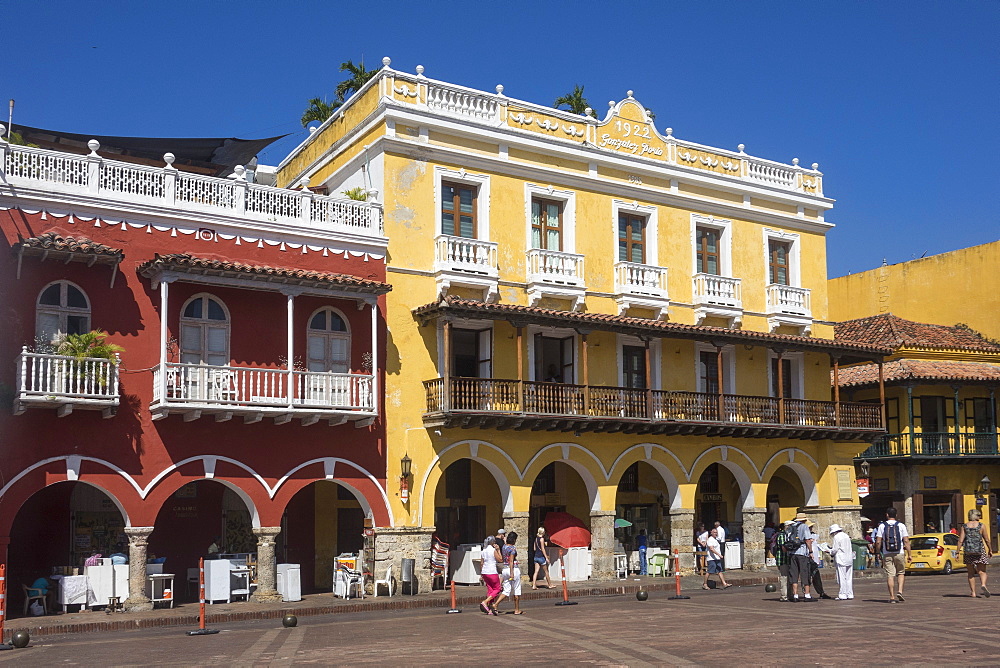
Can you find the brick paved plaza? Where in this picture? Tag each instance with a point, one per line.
(938, 623)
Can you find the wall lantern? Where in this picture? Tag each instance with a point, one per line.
(404, 479)
(866, 468)
(984, 485)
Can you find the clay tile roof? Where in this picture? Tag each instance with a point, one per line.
(56, 242)
(887, 330)
(921, 370)
(641, 326)
(185, 263)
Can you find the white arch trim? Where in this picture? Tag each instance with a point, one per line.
(725, 450)
(72, 462)
(747, 497)
(473, 445)
(329, 464)
(673, 487)
(808, 483)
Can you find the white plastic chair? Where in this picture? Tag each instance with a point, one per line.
(353, 579)
(621, 566)
(387, 582)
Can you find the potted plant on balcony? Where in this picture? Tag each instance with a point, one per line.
(89, 345)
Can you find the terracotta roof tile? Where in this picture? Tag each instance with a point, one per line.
(54, 241)
(920, 370)
(887, 330)
(607, 321)
(184, 262)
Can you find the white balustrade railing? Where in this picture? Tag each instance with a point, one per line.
(645, 280)
(771, 173)
(201, 385)
(456, 101)
(786, 299)
(166, 186)
(60, 378)
(717, 290)
(546, 266)
(470, 256)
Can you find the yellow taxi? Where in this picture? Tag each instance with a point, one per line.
(934, 553)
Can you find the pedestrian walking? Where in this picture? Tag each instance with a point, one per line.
(700, 550)
(541, 559)
(799, 545)
(816, 564)
(842, 553)
(891, 541)
(974, 538)
(716, 563)
(642, 543)
(782, 559)
(511, 575)
(769, 532)
(491, 578)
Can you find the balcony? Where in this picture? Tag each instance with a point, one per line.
(65, 383)
(510, 404)
(933, 445)
(468, 263)
(555, 274)
(47, 171)
(641, 285)
(194, 390)
(718, 297)
(789, 306)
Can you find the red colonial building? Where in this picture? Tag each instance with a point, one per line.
(243, 407)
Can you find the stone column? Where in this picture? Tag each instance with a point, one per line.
(682, 536)
(602, 543)
(518, 521)
(753, 539)
(266, 567)
(906, 483)
(393, 544)
(137, 600)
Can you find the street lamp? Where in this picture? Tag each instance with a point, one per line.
(984, 485)
(405, 467)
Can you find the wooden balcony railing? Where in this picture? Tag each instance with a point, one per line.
(934, 444)
(528, 398)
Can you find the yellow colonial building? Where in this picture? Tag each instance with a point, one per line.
(591, 315)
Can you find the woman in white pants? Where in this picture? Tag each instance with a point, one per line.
(843, 558)
(511, 575)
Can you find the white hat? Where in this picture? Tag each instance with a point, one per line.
(501, 531)
(834, 528)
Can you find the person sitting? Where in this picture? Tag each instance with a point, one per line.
(43, 586)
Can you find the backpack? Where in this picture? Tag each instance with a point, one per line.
(892, 541)
(973, 543)
(792, 541)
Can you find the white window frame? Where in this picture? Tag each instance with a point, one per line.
(482, 184)
(648, 212)
(728, 367)
(655, 349)
(568, 200)
(798, 373)
(201, 322)
(63, 310)
(725, 228)
(792, 239)
(557, 333)
(346, 335)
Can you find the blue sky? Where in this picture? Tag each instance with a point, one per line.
(899, 102)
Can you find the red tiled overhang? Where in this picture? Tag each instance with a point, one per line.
(190, 264)
(516, 314)
(927, 371)
(888, 330)
(56, 245)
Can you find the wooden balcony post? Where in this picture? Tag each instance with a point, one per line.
(909, 410)
(721, 397)
(649, 385)
(781, 388)
(836, 390)
(586, 375)
(958, 445)
(447, 365)
(520, 369)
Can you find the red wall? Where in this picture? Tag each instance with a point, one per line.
(131, 441)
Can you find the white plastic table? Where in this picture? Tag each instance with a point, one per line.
(157, 587)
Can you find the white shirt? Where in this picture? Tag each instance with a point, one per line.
(721, 533)
(817, 554)
(714, 549)
(489, 561)
(703, 538)
(842, 550)
(903, 533)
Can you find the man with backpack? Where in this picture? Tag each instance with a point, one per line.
(798, 545)
(891, 540)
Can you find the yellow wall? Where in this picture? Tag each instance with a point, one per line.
(962, 286)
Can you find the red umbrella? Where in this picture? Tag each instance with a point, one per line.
(566, 530)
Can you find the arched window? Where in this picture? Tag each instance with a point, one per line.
(329, 342)
(62, 308)
(205, 332)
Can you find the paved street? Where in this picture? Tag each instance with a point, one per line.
(938, 623)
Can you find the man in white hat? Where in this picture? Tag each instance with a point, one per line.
(797, 537)
(843, 559)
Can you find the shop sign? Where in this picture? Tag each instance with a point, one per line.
(709, 498)
(862, 487)
(980, 502)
